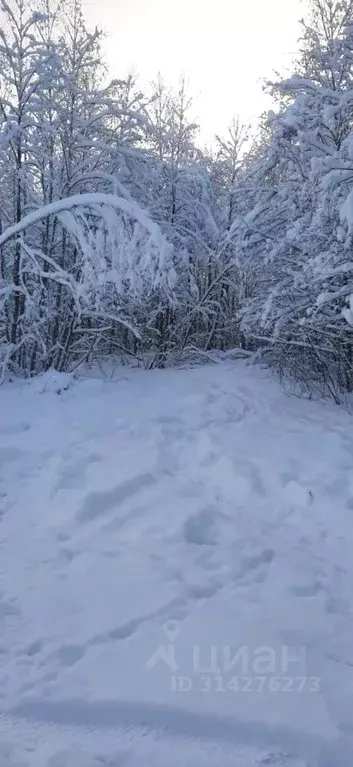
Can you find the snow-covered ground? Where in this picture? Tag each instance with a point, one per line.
(176, 573)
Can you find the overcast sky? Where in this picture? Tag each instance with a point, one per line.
(225, 47)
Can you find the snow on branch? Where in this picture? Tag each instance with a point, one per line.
(104, 201)
(119, 243)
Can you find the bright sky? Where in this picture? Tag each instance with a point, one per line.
(225, 48)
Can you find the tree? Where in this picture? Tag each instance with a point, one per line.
(292, 230)
(23, 63)
(80, 157)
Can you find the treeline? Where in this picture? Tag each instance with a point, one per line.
(120, 238)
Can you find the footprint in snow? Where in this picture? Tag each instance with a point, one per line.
(34, 648)
(98, 503)
(256, 563)
(68, 655)
(306, 590)
(201, 529)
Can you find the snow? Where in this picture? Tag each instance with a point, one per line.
(346, 211)
(102, 201)
(176, 572)
(51, 381)
(348, 313)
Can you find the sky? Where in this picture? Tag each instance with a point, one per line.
(224, 47)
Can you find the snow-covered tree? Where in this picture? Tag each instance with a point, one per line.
(291, 235)
(152, 274)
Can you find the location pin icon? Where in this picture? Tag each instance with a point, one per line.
(171, 630)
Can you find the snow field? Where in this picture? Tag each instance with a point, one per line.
(176, 572)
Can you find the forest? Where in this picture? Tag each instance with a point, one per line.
(122, 238)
